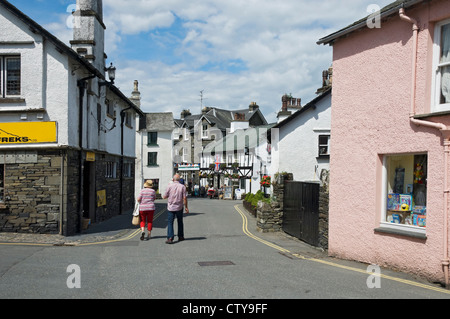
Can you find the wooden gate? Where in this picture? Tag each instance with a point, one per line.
(301, 211)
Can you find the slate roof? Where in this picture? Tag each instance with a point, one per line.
(219, 118)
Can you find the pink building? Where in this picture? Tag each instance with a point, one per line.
(390, 158)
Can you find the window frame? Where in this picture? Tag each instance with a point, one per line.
(327, 145)
(436, 106)
(153, 162)
(4, 76)
(152, 141)
(383, 223)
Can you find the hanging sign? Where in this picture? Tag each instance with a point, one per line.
(27, 133)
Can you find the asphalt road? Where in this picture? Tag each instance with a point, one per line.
(223, 257)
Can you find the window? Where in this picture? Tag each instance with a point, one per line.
(110, 109)
(111, 170)
(152, 138)
(441, 96)
(405, 198)
(2, 183)
(205, 130)
(127, 170)
(324, 145)
(152, 159)
(10, 68)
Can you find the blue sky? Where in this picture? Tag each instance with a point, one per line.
(236, 51)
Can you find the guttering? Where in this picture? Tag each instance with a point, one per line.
(360, 24)
(445, 134)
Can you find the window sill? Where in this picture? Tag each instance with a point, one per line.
(434, 114)
(11, 100)
(394, 230)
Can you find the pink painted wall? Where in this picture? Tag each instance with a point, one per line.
(370, 117)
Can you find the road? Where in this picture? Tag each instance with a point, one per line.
(223, 257)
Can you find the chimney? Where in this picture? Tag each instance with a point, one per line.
(185, 113)
(253, 106)
(136, 95)
(327, 80)
(89, 32)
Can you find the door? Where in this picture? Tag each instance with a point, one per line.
(301, 211)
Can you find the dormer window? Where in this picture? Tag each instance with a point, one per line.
(10, 68)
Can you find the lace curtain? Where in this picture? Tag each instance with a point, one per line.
(445, 57)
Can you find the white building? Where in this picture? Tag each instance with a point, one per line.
(300, 144)
(154, 146)
(67, 148)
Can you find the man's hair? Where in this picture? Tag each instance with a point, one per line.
(176, 177)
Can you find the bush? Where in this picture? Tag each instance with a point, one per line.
(253, 199)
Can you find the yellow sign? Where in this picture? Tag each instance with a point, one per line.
(27, 133)
(90, 156)
(101, 198)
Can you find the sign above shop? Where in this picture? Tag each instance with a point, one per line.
(189, 167)
(27, 133)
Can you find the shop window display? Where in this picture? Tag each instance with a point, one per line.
(406, 201)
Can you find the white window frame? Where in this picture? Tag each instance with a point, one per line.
(204, 132)
(4, 76)
(436, 106)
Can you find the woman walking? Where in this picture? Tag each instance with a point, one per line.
(146, 202)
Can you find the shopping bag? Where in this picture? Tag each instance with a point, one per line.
(136, 219)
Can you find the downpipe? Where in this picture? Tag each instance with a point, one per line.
(445, 134)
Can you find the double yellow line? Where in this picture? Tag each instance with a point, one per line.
(283, 250)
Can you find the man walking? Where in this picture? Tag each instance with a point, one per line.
(176, 194)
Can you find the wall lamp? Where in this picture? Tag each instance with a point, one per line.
(111, 74)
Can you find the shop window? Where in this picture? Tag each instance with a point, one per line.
(441, 97)
(406, 191)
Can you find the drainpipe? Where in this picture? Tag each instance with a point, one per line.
(445, 134)
(122, 117)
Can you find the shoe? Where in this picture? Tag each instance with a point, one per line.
(180, 238)
(148, 237)
(142, 236)
(169, 241)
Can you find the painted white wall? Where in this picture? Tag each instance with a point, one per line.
(297, 149)
(164, 170)
(49, 88)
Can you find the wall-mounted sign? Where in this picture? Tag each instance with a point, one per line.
(101, 198)
(189, 167)
(27, 133)
(90, 156)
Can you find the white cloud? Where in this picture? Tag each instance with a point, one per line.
(271, 44)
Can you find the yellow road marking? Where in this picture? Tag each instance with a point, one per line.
(408, 282)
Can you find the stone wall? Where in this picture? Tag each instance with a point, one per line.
(42, 193)
(32, 192)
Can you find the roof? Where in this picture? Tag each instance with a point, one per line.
(389, 10)
(159, 121)
(220, 118)
(36, 28)
(310, 105)
(239, 139)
